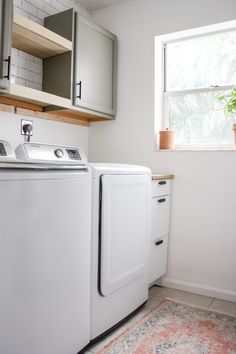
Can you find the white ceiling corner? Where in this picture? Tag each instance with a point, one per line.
(93, 5)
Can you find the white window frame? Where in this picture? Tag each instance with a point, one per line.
(161, 117)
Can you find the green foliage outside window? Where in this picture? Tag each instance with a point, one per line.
(229, 101)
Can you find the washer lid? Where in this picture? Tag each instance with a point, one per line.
(50, 154)
(99, 169)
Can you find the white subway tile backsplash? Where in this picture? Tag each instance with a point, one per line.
(18, 3)
(14, 51)
(26, 74)
(22, 12)
(31, 9)
(57, 5)
(33, 85)
(66, 3)
(41, 14)
(37, 3)
(36, 19)
(14, 70)
(19, 81)
(18, 61)
(33, 66)
(49, 10)
(38, 78)
(38, 60)
(26, 55)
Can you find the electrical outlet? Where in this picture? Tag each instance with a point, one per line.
(26, 127)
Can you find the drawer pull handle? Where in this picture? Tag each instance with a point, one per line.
(162, 183)
(162, 200)
(80, 89)
(158, 242)
(8, 60)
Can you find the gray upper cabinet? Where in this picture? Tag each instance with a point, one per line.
(5, 43)
(87, 75)
(95, 67)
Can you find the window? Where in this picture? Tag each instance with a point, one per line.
(193, 68)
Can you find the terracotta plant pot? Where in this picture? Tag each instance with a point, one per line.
(167, 139)
(234, 132)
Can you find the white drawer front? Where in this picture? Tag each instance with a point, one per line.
(160, 217)
(157, 259)
(161, 187)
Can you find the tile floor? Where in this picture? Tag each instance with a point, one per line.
(156, 295)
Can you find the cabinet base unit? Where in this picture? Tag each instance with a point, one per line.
(160, 224)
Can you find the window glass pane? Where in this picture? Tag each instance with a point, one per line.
(199, 119)
(201, 62)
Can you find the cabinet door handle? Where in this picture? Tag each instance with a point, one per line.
(162, 200)
(158, 242)
(8, 68)
(162, 182)
(80, 89)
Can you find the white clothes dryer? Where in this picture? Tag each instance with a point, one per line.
(120, 236)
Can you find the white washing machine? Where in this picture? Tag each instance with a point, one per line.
(120, 236)
(45, 247)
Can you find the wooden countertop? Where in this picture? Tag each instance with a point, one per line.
(159, 177)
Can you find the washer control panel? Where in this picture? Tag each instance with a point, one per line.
(59, 153)
(2, 149)
(50, 153)
(6, 151)
(73, 154)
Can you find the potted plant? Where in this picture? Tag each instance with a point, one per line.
(229, 101)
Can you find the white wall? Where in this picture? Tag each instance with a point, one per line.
(27, 71)
(45, 131)
(203, 229)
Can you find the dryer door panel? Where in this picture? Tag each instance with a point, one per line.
(124, 230)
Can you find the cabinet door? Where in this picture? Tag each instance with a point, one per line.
(157, 259)
(95, 58)
(160, 217)
(5, 42)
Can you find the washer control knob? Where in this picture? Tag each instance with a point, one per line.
(59, 153)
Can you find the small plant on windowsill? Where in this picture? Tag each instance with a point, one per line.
(229, 101)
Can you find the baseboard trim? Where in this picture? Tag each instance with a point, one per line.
(198, 289)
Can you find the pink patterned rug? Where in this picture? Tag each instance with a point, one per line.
(177, 328)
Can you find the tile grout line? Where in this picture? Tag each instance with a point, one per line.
(213, 299)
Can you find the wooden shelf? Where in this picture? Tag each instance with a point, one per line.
(38, 97)
(31, 102)
(32, 38)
